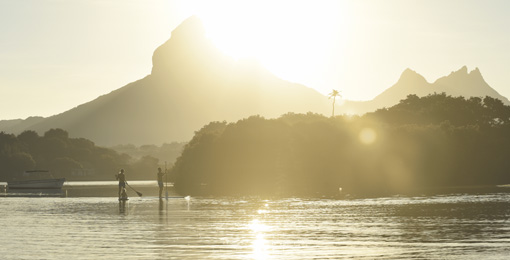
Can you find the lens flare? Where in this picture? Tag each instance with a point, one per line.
(367, 136)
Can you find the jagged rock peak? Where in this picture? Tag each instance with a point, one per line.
(475, 73)
(187, 43)
(463, 73)
(410, 74)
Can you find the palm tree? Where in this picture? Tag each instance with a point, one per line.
(335, 93)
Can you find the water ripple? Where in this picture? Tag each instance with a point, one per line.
(456, 226)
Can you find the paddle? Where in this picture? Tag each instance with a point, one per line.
(139, 194)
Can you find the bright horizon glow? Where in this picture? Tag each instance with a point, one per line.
(293, 39)
(59, 54)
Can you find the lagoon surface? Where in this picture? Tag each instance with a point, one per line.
(456, 226)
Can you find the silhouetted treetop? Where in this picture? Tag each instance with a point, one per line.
(434, 109)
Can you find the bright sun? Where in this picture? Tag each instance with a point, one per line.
(290, 38)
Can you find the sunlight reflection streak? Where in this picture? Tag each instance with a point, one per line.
(259, 244)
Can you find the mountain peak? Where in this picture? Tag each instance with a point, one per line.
(463, 71)
(410, 82)
(476, 73)
(461, 75)
(410, 75)
(457, 83)
(188, 42)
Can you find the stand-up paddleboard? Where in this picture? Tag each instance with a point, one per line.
(164, 197)
(123, 199)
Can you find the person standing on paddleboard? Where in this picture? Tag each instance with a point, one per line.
(122, 180)
(160, 181)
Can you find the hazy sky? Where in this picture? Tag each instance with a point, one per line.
(57, 54)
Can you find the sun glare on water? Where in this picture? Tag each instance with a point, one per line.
(259, 243)
(290, 38)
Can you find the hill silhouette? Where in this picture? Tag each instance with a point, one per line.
(458, 83)
(192, 83)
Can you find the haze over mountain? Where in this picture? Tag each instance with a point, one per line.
(192, 83)
(458, 83)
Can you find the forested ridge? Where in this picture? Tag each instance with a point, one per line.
(72, 158)
(432, 141)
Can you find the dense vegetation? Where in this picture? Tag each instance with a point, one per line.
(73, 158)
(165, 153)
(433, 141)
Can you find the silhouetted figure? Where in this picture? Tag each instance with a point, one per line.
(122, 181)
(123, 194)
(160, 181)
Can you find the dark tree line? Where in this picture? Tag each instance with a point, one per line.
(433, 141)
(164, 153)
(73, 158)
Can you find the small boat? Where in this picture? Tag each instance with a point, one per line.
(36, 180)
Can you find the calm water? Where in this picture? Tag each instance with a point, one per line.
(439, 227)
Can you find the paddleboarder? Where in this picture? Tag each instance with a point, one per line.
(122, 181)
(160, 181)
(123, 195)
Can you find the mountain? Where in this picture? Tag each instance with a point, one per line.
(458, 83)
(19, 125)
(191, 84)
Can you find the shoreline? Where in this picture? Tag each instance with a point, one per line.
(150, 189)
(91, 189)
